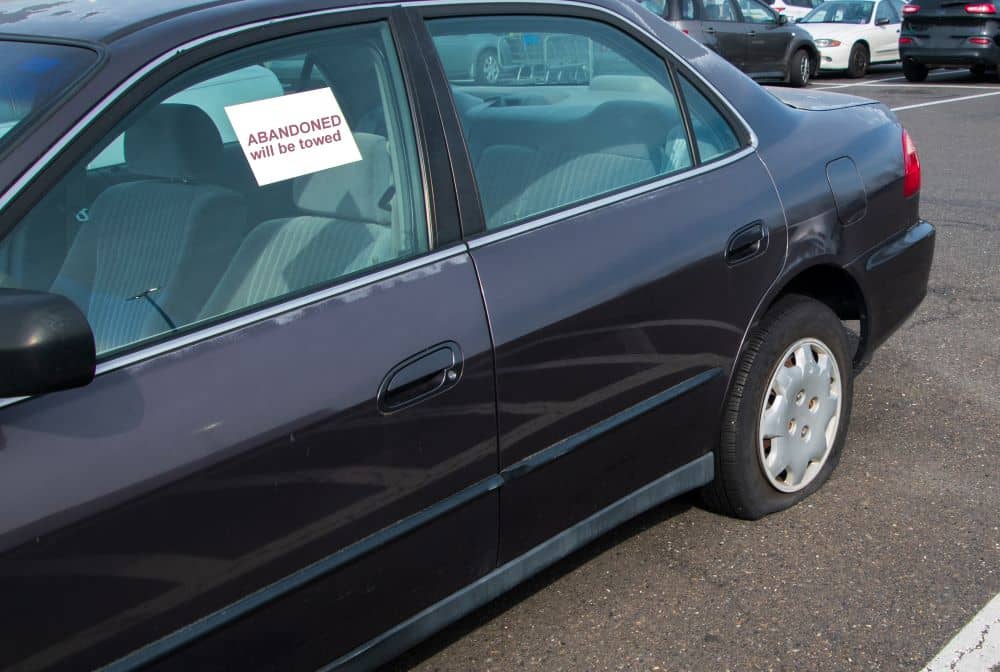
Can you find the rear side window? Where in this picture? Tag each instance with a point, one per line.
(755, 12)
(263, 174)
(714, 135)
(573, 110)
(31, 76)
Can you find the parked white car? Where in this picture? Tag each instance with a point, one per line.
(853, 34)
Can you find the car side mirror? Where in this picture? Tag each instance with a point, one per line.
(882, 21)
(782, 19)
(45, 344)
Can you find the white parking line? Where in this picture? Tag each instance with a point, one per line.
(875, 82)
(976, 647)
(946, 100)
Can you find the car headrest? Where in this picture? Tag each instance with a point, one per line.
(174, 141)
(361, 191)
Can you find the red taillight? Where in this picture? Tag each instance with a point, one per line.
(911, 167)
(911, 9)
(981, 8)
(906, 40)
(980, 40)
(685, 31)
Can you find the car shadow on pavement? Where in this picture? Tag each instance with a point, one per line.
(437, 643)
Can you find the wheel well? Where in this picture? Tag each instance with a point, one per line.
(836, 288)
(865, 45)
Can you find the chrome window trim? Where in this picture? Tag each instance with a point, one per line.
(624, 19)
(15, 189)
(600, 202)
(587, 206)
(261, 314)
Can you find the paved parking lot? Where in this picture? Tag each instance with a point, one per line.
(883, 566)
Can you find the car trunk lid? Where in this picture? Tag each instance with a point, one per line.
(817, 101)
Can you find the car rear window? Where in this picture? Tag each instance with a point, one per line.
(32, 75)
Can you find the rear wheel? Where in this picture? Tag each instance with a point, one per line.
(858, 61)
(914, 72)
(787, 412)
(799, 68)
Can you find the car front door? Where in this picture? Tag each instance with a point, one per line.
(767, 41)
(885, 36)
(723, 32)
(293, 419)
(614, 310)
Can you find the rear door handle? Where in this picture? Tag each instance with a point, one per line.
(747, 243)
(708, 30)
(424, 375)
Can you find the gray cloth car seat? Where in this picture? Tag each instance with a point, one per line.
(534, 159)
(168, 237)
(347, 227)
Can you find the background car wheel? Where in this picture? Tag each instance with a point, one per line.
(914, 72)
(487, 68)
(858, 61)
(787, 412)
(799, 68)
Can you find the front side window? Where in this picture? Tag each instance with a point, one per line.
(717, 10)
(655, 6)
(577, 110)
(755, 12)
(31, 76)
(263, 174)
(841, 11)
(886, 12)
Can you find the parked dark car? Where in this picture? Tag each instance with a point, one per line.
(475, 57)
(747, 33)
(937, 33)
(303, 363)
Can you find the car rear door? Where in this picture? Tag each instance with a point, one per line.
(615, 311)
(290, 445)
(723, 31)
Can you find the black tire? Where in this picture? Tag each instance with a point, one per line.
(799, 68)
(741, 487)
(978, 72)
(914, 72)
(858, 61)
(487, 70)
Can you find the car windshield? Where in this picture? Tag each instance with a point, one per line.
(31, 76)
(840, 12)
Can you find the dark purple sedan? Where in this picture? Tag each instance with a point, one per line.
(309, 348)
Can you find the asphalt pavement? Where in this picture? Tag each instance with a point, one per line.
(891, 558)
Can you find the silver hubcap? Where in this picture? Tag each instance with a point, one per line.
(491, 68)
(800, 415)
(804, 69)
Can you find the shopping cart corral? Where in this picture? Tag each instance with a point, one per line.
(538, 58)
